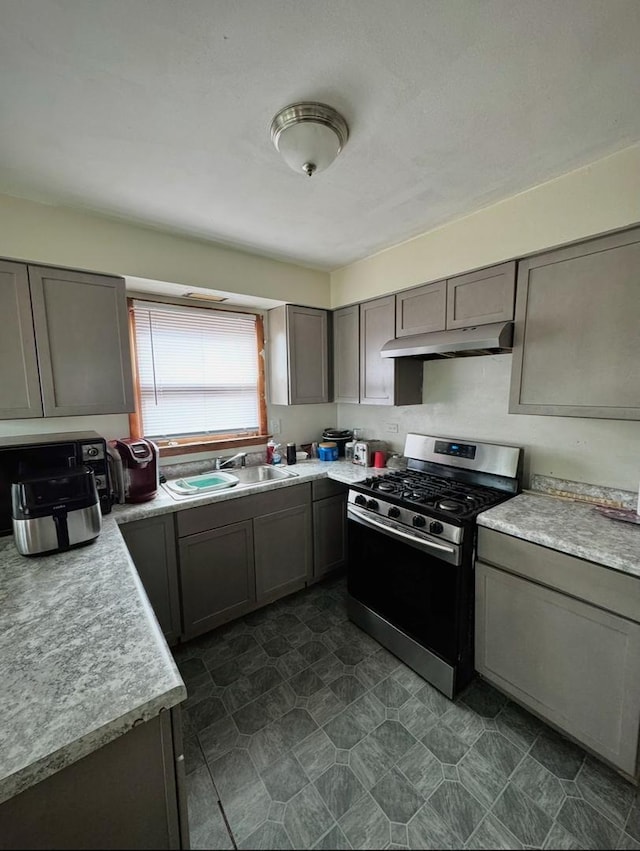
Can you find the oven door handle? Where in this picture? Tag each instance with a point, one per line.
(452, 553)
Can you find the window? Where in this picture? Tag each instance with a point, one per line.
(199, 375)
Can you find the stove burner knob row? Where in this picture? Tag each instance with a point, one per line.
(393, 512)
(419, 521)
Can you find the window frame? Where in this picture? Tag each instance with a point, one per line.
(205, 442)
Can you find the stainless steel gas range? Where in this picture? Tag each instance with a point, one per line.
(411, 551)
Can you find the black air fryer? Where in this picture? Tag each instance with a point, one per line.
(340, 436)
(55, 510)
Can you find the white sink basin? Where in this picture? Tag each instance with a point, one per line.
(217, 480)
(204, 483)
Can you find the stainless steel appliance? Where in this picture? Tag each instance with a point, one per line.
(134, 469)
(55, 510)
(411, 551)
(27, 455)
(364, 449)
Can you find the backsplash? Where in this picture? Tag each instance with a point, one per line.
(468, 398)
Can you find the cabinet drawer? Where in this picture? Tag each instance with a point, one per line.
(194, 520)
(609, 589)
(322, 488)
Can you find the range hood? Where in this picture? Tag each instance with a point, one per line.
(477, 340)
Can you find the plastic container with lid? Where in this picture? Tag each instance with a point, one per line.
(327, 451)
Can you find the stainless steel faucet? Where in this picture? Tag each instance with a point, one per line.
(221, 463)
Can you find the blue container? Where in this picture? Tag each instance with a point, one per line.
(328, 453)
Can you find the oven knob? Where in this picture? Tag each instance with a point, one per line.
(92, 451)
(394, 512)
(360, 500)
(418, 520)
(372, 505)
(435, 527)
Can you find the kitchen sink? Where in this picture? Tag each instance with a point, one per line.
(218, 480)
(262, 473)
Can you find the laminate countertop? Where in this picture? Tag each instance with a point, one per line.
(82, 658)
(570, 527)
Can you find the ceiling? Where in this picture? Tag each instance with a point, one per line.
(158, 111)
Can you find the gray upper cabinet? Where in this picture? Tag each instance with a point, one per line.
(421, 310)
(577, 344)
(82, 341)
(152, 545)
(19, 380)
(346, 354)
(481, 297)
(298, 347)
(385, 381)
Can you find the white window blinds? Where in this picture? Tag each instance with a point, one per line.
(197, 370)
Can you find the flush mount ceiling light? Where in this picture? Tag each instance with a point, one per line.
(309, 136)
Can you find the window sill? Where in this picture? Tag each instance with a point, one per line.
(191, 445)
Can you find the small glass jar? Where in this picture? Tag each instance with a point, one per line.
(348, 450)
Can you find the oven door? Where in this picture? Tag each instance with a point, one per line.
(417, 584)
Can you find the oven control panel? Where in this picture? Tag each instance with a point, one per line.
(455, 450)
(406, 518)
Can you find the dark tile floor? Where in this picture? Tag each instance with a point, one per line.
(302, 732)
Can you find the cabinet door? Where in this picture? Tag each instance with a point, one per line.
(283, 552)
(576, 344)
(346, 354)
(480, 298)
(308, 333)
(422, 309)
(152, 546)
(385, 381)
(217, 577)
(82, 339)
(329, 535)
(571, 663)
(19, 381)
(377, 327)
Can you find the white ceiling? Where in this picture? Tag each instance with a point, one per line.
(158, 111)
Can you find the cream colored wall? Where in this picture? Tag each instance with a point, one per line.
(63, 237)
(602, 197)
(468, 398)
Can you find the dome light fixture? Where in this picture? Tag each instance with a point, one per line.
(309, 135)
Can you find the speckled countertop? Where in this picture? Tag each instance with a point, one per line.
(305, 471)
(82, 658)
(570, 527)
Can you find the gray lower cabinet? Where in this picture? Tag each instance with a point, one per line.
(298, 347)
(329, 526)
(152, 545)
(570, 654)
(129, 793)
(239, 554)
(282, 552)
(576, 343)
(385, 381)
(217, 575)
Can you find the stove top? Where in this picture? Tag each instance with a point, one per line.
(429, 494)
